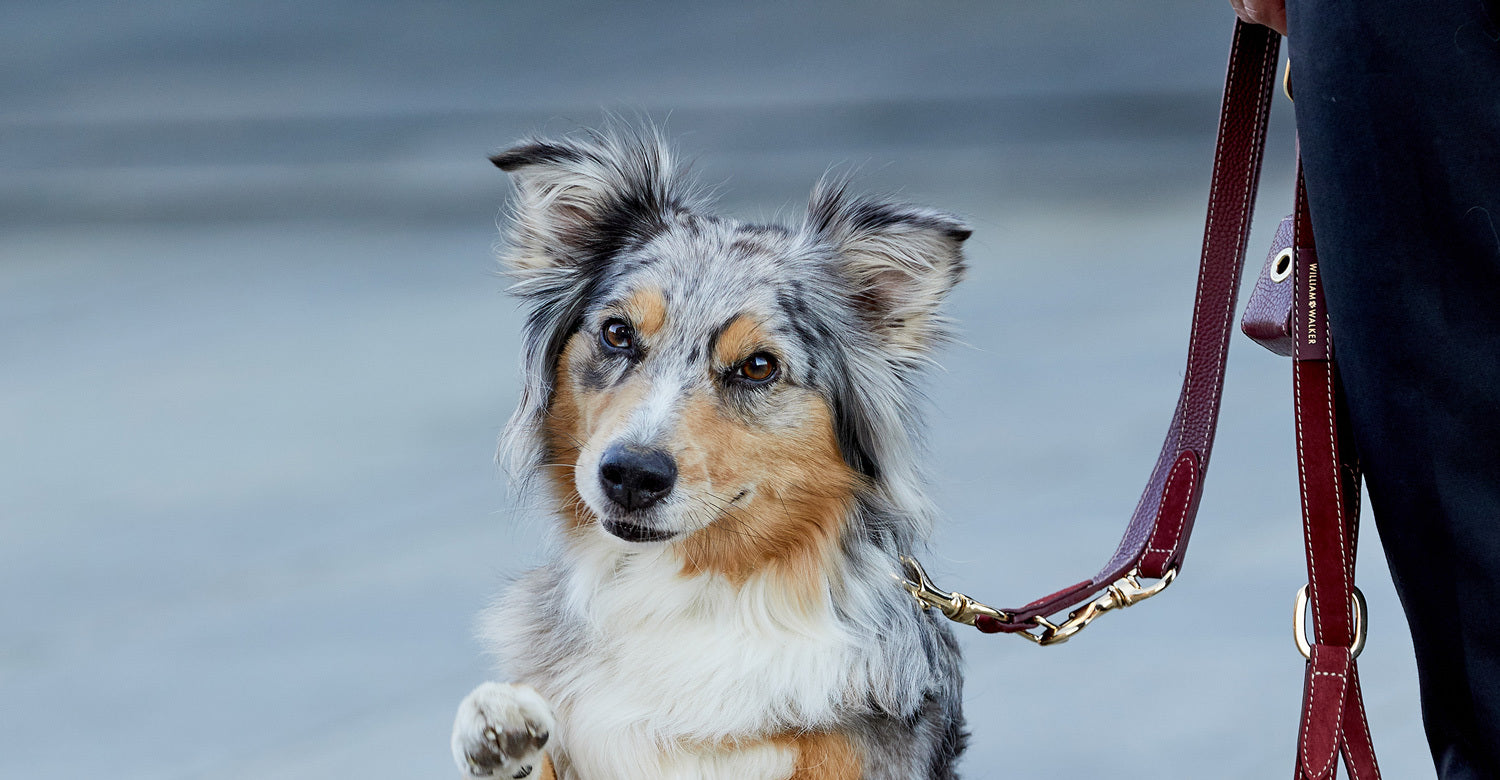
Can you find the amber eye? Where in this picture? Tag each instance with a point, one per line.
(759, 367)
(616, 334)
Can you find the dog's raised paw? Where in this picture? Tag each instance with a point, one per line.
(500, 731)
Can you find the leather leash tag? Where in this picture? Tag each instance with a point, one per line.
(1311, 325)
(1268, 314)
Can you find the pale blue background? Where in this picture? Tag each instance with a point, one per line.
(254, 359)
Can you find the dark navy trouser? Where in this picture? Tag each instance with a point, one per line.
(1398, 113)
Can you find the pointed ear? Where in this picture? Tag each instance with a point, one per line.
(582, 199)
(901, 261)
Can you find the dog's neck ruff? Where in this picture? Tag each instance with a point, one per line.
(652, 629)
(642, 663)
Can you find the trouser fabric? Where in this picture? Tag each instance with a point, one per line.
(1398, 117)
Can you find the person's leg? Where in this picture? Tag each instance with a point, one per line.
(1398, 114)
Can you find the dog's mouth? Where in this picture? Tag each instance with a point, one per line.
(631, 532)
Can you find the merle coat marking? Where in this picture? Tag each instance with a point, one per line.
(649, 664)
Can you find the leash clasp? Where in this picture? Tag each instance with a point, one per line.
(954, 605)
(1124, 592)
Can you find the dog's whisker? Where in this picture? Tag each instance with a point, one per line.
(731, 523)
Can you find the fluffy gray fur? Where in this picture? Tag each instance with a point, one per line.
(854, 290)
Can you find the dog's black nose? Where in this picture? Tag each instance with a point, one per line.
(636, 477)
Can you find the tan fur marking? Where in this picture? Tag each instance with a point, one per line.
(562, 435)
(742, 337)
(824, 755)
(647, 310)
(574, 417)
(801, 492)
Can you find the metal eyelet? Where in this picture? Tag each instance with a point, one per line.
(1281, 267)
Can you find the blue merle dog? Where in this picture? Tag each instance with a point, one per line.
(724, 415)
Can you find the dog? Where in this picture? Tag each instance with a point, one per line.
(725, 416)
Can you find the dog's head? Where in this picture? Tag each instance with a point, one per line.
(734, 390)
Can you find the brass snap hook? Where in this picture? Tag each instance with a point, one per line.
(954, 605)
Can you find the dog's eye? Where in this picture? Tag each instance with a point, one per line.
(617, 334)
(759, 367)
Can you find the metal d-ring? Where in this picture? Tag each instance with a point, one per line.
(1299, 623)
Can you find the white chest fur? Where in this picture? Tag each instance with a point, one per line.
(658, 675)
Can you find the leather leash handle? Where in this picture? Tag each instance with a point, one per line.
(1333, 710)
(1157, 536)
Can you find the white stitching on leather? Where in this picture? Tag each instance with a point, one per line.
(1338, 503)
(1364, 722)
(1187, 391)
(1345, 565)
(1307, 711)
(1246, 203)
(1166, 491)
(1301, 467)
(1208, 229)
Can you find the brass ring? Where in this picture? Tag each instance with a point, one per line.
(1281, 267)
(1299, 623)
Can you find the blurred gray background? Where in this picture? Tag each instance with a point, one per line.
(254, 358)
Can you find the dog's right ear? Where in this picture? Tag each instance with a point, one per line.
(581, 200)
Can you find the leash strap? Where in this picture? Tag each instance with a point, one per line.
(1157, 536)
(1333, 710)
(1333, 713)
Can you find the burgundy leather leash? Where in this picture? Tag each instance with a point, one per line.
(1289, 319)
(1286, 315)
(1157, 536)
(1333, 709)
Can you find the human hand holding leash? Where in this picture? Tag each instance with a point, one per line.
(1271, 13)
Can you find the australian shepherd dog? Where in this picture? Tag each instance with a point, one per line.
(724, 415)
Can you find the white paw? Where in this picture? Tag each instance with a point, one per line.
(500, 731)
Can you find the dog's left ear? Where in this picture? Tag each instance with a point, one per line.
(901, 261)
